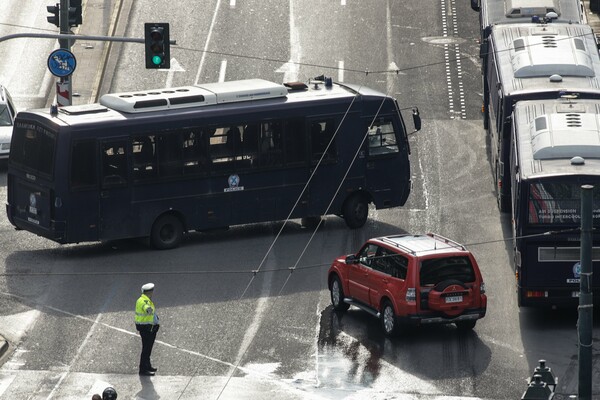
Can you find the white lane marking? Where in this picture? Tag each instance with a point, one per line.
(175, 67)
(259, 313)
(341, 71)
(390, 79)
(210, 31)
(425, 193)
(231, 3)
(222, 71)
(290, 68)
(79, 351)
(5, 381)
(450, 29)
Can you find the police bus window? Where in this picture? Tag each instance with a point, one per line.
(382, 138)
(170, 154)
(270, 144)
(251, 138)
(114, 163)
(144, 160)
(323, 141)
(195, 151)
(294, 142)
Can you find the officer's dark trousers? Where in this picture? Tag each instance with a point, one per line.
(148, 338)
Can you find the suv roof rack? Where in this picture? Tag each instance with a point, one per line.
(447, 241)
(387, 239)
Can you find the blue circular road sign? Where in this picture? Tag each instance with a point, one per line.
(61, 62)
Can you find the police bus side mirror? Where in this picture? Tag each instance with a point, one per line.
(475, 5)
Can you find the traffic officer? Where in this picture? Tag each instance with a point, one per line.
(146, 323)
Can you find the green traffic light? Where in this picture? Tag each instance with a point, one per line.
(157, 60)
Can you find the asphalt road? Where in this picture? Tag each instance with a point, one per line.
(227, 333)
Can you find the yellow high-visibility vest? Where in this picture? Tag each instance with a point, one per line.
(145, 313)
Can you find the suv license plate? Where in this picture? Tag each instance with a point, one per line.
(454, 299)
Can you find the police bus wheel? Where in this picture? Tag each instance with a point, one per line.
(167, 232)
(356, 211)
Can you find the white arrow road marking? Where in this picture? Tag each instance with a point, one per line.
(175, 67)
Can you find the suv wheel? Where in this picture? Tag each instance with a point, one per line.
(337, 295)
(388, 319)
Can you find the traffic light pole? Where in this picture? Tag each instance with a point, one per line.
(76, 37)
(64, 85)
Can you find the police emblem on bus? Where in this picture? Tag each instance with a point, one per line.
(32, 204)
(576, 273)
(234, 184)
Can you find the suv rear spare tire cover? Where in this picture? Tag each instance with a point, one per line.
(450, 297)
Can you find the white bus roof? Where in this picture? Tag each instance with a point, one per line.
(520, 11)
(193, 96)
(550, 133)
(528, 55)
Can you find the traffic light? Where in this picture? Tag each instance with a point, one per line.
(75, 11)
(156, 37)
(55, 11)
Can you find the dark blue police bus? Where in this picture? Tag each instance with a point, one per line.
(159, 163)
(556, 150)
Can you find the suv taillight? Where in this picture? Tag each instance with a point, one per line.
(411, 294)
(482, 288)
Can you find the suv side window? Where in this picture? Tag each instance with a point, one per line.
(367, 254)
(390, 263)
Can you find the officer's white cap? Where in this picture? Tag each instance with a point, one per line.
(147, 287)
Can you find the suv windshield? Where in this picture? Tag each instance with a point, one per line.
(436, 270)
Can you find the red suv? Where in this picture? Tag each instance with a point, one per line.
(410, 280)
